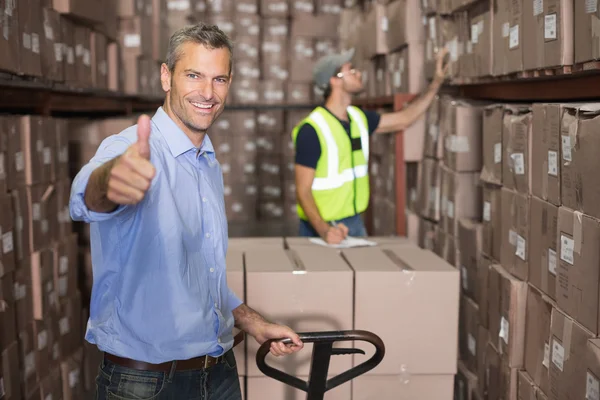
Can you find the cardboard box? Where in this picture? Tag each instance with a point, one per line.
(10, 42)
(507, 302)
(427, 234)
(515, 50)
(70, 326)
(374, 32)
(501, 36)
(65, 264)
(568, 351)
(430, 189)
(492, 384)
(592, 364)
(584, 20)
(45, 299)
(8, 331)
(492, 222)
(99, 60)
(466, 383)
(304, 279)
(7, 222)
(316, 26)
(533, 35)
(23, 296)
(462, 132)
(469, 332)
(526, 389)
(30, 17)
(517, 138)
(546, 165)
(415, 387)
(52, 60)
(543, 261)
(433, 146)
(51, 385)
(537, 338)
(411, 348)
(578, 276)
(482, 345)
(10, 366)
(492, 144)
(272, 92)
(482, 290)
(72, 377)
(274, 8)
(461, 198)
(302, 59)
(28, 357)
(579, 135)
(469, 251)
(480, 18)
(267, 388)
(516, 237)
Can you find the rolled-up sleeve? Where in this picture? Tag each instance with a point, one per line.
(234, 301)
(110, 148)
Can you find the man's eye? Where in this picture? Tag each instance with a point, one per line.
(221, 80)
(193, 76)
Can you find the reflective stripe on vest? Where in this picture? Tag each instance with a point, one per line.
(334, 178)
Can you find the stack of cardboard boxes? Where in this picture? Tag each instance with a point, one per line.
(40, 329)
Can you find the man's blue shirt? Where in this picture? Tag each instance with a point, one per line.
(160, 290)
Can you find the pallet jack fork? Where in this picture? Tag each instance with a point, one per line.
(323, 349)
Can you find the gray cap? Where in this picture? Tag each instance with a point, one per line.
(327, 65)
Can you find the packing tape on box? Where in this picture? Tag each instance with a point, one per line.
(577, 231)
(406, 269)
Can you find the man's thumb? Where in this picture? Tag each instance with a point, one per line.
(143, 133)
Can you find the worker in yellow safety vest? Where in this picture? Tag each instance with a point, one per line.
(332, 148)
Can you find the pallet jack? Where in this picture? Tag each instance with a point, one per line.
(323, 349)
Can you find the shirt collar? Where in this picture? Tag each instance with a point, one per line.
(176, 139)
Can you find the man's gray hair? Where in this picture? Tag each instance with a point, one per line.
(208, 35)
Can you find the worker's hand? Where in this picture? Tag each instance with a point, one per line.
(266, 330)
(335, 234)
(442, 65)
(130, 176)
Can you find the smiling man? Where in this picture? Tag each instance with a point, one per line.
(161, 310)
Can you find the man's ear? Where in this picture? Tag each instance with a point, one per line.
(165, 78)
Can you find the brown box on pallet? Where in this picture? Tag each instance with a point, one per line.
(543, 261)
(430, 189)
(517, 143)
(537, 338)
(515, 49)
(461, 198)
(275, 269)
(462, 132)
(52, 60)
(469, 252)
(493, 116)
(11, 367)
(10, 41)
(515, 246)
(397, 67)
(579, 136)
(99, 60)
(7, 225)
(568, 351)
(434, 285)
(546, 165)
(578, 275)
(585, 21)
(507, 309)
(469, 332)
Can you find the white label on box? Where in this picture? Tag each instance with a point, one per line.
(7, 242)
(29, 364)
(73, 378)
(504, 329)
(512, 237)
(78, 50)
(47, 156)
(487, 211)
(87, 59)
(566, 148)
(521, 247)
(63, 284)
(465, 278)
(19, 161)
(36, 211)
(538, 7)
(552, 261)
(567, 246)
(592, 388)
(450, 210)
(434, 131)
(180, 5)
(453, 49)
(472, 345)
(8, 8)
(379, 74)
(552, 163)
(591, 6)
(27, 41)
(20, 291)
(505, 29)
(474, 33)
(385, 23)
(513, 41)
(432, 35)
(497, 153)
(518, 163)
(63, 326)
(2, 391)
(49, 397)
(2, 171)
(397, 79)
(48, 31)
(42, 340)
(39, 145)
(58, 52)
(35, 43)
(546, 361)
(550, 26)
(558, 355)
(469, 48)
(132, 40)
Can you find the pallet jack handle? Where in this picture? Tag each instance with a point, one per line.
(323, 349)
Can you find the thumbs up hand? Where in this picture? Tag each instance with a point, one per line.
(132, 173)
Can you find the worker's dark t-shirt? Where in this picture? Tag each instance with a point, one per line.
(308, 147)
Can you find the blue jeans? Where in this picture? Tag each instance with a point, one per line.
(355, 224)
(219, 382)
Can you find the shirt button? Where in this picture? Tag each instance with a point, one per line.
(219, 340)
(216, 305)
(208, 235)
(204, 199)
(212, 270)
